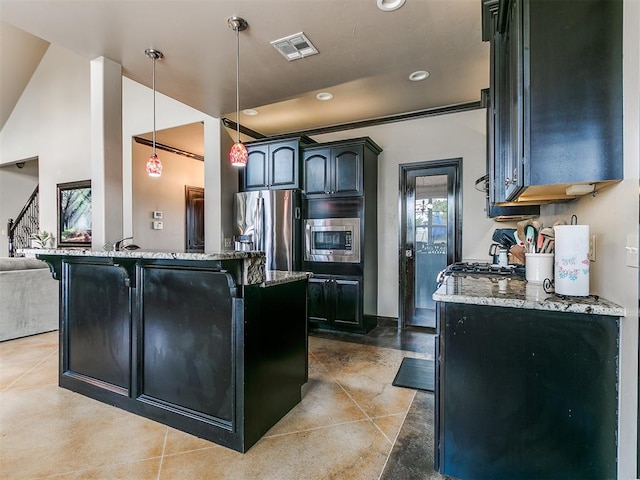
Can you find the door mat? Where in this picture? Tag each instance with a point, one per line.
(416, 373)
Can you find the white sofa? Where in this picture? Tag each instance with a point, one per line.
(28, 298)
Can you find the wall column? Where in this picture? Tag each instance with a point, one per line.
(106, 151)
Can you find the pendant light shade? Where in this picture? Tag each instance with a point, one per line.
(238, 155)
(154, 165)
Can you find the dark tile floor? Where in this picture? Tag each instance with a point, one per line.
(351, 424)
(387, 335)
(412, 455)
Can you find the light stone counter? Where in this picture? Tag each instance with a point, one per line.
(278, 277)
(253, 262)
(78, 252)
(495, 290)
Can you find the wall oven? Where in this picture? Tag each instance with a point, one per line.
(332, 240)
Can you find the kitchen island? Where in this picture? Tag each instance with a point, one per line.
(526, 381)
(200, 342)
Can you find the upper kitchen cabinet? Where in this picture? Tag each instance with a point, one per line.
(337, 169)
(273, 164)
(556, 96)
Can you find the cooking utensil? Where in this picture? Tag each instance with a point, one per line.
(522, 224)
(530, 235)
(547, 232)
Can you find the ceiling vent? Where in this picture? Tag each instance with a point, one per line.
(295, 46)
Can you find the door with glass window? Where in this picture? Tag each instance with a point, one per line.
(430, 235)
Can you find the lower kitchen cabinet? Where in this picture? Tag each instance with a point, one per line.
(182, 341)
(335, 302)
(526, 394)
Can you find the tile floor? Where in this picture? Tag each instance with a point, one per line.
(351, 424)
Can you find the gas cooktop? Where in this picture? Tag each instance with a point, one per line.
(480, 268)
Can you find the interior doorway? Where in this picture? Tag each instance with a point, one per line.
(430, 234)
(194, 228)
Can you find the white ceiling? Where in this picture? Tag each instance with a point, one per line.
(366, 55)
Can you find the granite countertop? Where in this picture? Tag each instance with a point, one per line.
(516, 292)
(223, 255)
(278, 277)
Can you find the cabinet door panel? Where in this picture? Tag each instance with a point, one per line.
(98, 327)
(347, 171)
(559, 377)
(316, 172)
(318, 299)
(513, 167)
(575, 104)
(181, 343)
(283, 162)
(255, 173)
(347, 301)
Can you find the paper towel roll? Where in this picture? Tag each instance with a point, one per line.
(571, 267)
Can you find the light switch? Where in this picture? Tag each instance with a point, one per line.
(158, 225)
(632, 250)
(157, 214)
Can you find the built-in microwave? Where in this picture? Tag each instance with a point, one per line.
(332, 240)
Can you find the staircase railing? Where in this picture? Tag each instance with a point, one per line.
(26, 224)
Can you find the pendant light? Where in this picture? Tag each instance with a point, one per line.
(154, 165)
(238, 154)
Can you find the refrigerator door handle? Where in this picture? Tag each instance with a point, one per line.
(259, 225)
(297, 214)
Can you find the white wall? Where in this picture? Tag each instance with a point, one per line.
(137, 119)
(165, 194)
(52, 121)
(460, 135)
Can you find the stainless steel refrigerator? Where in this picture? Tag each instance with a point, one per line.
(270, 220)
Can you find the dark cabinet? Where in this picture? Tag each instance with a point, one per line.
(335, 301)
(340, 181)
(182, 342)
(97, 330)
(556, 90)
(527, 394)
(317, 167)
(336, 171)
(498, 104)
(273, 165)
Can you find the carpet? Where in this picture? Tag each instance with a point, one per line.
(416, 373)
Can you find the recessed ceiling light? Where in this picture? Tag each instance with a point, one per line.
(324, 96)
(418, 75)
(250, 111)
(389, 5)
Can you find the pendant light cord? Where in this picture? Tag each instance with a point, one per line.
(238, 83)
(153, 149)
